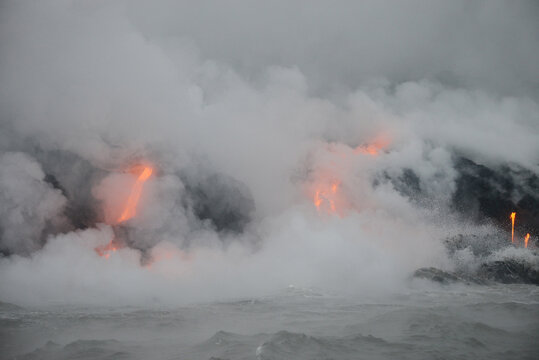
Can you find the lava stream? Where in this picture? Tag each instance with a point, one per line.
(130, 209)
(512, 216)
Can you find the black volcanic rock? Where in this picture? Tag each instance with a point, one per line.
(446, 277)
(408, 183)
(491, 193)
(510, 271)
(480, 245)
(74, 176)
(436, 275)
(506, 271)
(486, 265)
(224, 202)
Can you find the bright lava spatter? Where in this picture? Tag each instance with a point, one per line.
(512, 216)
(526, 240)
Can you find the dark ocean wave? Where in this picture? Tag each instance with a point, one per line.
(479, 323)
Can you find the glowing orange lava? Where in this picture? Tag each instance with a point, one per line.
(325, 198)
(130, 209)
(512, 217)
(367, 149)
(373, 148)
(106, 250)
(526, 240)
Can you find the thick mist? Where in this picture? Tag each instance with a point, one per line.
(249, 112)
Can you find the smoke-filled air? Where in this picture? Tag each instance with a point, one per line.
(269, 180)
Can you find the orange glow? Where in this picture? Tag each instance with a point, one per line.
(325, 197)
(526, 240)
(163, 255)
(373, 148)
(369, 149)
(130, 209)
(106, 250)
(512, 217)
(328, 190)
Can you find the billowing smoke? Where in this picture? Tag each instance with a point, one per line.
(337, 147)
(30, 205)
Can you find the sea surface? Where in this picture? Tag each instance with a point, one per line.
(455, 322)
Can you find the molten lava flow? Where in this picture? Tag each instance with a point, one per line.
(130, 209)
(328, 190)
(106, 250)
(374, 147)
(526, 240)
(512, 217)
(325, 198)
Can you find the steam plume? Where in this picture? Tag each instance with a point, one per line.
(409, 125)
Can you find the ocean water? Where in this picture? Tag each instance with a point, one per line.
(426, 322)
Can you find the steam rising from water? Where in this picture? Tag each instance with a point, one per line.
(239, 135)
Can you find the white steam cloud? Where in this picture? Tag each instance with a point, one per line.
(254, 103)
